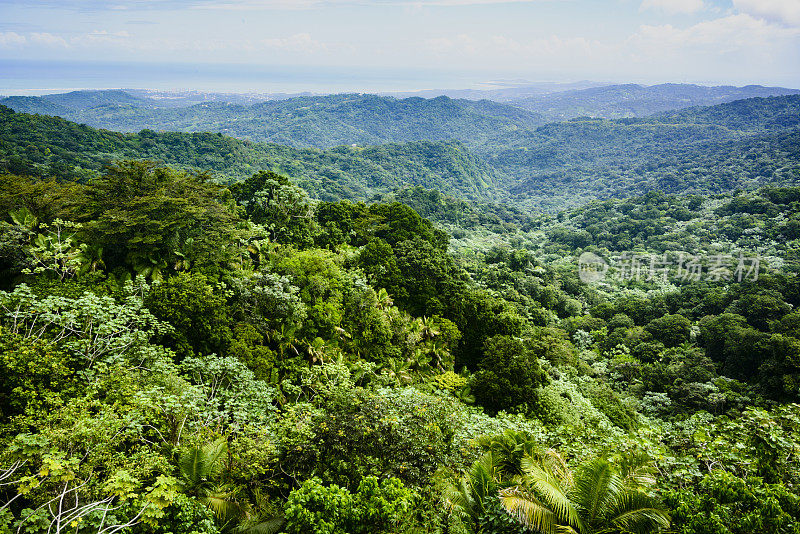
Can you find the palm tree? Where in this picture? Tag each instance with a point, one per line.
(200, 470)
(24, 218)
(320, 350)
(441, 357)
(150, 266)
(468, 497)
(383, 300)
(259, 520)
(285, 339)
(426, 328)
(90, 258)
(465, 395)
(599, 499)
(508, 449)
(399, 370)
(419, 359)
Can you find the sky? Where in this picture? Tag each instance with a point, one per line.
(414, 44)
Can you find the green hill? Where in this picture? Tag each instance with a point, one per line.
(42, 145)
(322, 122)
(65, 103)
(743, 144)
(632, 100)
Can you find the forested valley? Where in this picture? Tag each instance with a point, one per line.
(394, 331)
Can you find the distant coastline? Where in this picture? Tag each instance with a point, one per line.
(36, 77)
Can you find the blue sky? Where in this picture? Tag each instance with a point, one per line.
(643, 41)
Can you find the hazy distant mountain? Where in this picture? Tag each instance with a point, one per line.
(774, 113)
(34, 104)
(64, 103)
(507, 153)
(182, 99)
(319, 121)
(741, 144)
(630, 100)
(510, 93)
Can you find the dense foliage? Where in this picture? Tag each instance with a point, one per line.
(49, 146)
(482, 150)
(306, 121)
(181, 354)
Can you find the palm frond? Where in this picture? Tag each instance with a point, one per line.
(528, 510)
(215, 453)
(191, 465)
(556, 464)
(557, 500)
(637, 470)
(483, 477)
(596, 485)
(637, 512)
(550, 487)
(198, 464)
(222, 504)
(272, 525)
(466, 498)
(457, 498)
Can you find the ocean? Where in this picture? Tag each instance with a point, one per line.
(23, 77)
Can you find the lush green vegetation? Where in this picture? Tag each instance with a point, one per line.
(744, 144)
(199, 344)
(64, 103)
(49, 146)
(484, 151)
(322, 122)
(184, 356)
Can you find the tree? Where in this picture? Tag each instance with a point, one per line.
(509, 374)
(508, 449)
(144, 215)
(200, 471)
(398, 222)
(273, 201)
(91, 329)
(468, 497)
(376, 506)
(600, 497)
(723, 503)
(46, 199)
(341, 223)
(196, 310)
(760, 309)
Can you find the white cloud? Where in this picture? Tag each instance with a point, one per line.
(50, 40)
(422, 3)
(672, 7)
(254, 5)
(9, 39)
(47, 39)
(502, 50)
(729, 33)
(785, 12)
(299, 43)
(737, 48)
(460, 44)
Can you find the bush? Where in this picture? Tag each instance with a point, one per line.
(375, 507)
